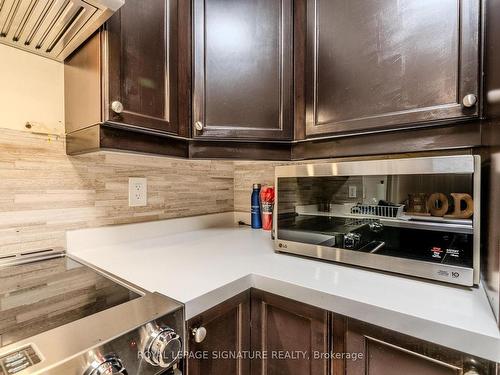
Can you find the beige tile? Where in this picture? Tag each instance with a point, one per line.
(44, 192)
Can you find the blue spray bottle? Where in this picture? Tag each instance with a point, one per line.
(256, 218)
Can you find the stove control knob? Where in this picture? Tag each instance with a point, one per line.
(108, 365)
(163, 348)
(472, 367)
(376, 226)
(352, 240)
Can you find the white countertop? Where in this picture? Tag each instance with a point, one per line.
(203, 261)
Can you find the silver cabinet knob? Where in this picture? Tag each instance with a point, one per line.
(199, 334)
(117, 106)
(198, 125)
(469, 100)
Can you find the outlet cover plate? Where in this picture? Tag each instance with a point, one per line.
(353, 191)
(137, 192)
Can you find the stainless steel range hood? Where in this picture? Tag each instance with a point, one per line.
(52, 28)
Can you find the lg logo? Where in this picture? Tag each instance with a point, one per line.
(282, 245)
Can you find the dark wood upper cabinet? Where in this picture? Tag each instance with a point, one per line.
(491, 21)
(227, 334)
(142, 64)
(386, 64)
(243, 69)
(294, 329)
(255, 74)
(135, 71)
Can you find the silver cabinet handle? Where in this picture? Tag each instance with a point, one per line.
(117, 107)
(198, 125)
(199, 334)
(469, 100)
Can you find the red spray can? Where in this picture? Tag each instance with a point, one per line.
(267, 204)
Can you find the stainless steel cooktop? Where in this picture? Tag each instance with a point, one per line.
(59, 316)
(39, 296)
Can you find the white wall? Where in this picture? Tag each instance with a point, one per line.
(31, 90)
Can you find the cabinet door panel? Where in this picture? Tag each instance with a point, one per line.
(386, 359)
(228, 334)
(389, 63)
(283, 327)
(243, 68)
(141, 39)
(383, 352)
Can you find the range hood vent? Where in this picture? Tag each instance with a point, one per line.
(52, 28)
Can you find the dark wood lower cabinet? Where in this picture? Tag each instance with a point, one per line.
(228, 333)
(273, 335)
(384, 352)
(292, 335)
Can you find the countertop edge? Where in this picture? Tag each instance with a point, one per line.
(479, 345)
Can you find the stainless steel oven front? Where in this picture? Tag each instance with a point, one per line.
(413, 216)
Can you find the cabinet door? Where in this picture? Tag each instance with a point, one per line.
(386, 64)
(293, 336)
(141, 53)
(383, 352)
(227, 335)
(242, 69)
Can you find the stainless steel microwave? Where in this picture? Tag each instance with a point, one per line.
(413, 216)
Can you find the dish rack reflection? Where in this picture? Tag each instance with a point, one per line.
(377, 210)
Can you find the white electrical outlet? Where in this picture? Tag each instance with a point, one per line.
(137, 192)
(353, 191)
